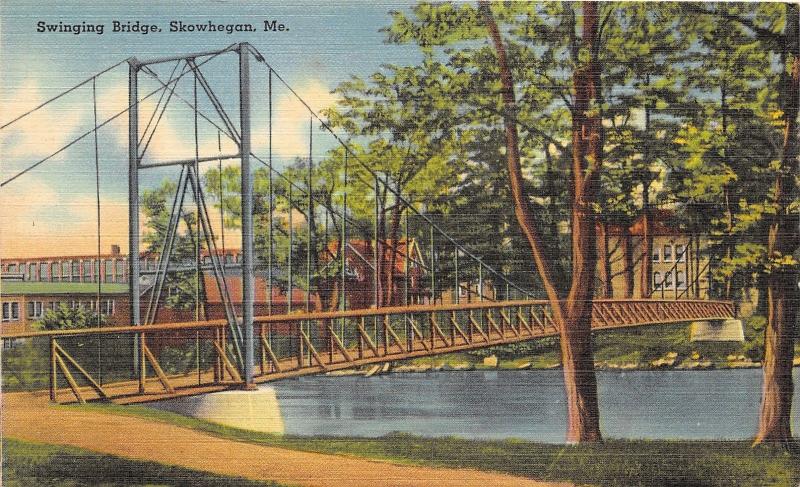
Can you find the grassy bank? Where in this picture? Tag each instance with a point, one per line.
(614, 463)
(35, 464)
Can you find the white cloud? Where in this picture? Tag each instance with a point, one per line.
(44, 131)
(291, 119)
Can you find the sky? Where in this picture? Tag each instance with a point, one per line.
(51, 209)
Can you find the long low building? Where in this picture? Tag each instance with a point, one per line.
(25, 302)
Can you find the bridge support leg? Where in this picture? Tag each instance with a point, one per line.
(247, 215)
(53, 372)
(133, 202)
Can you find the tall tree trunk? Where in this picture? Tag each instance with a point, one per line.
(627, 261)
(646, 276)
(782, 293)
(394, 230)
(587, 158)
(604, 267)
(573, 317)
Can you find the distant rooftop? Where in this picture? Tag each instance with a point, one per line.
(32, 287)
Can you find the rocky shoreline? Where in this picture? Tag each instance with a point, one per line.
(669, 361)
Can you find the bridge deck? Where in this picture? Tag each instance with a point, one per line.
(364, 337)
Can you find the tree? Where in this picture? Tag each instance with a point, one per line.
(183, 288)
(573, 315)
(66, 318)
(772, 28)
(405, 115)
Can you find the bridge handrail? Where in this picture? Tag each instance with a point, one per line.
(323, 315)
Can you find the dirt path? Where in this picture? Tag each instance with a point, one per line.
(30, 417)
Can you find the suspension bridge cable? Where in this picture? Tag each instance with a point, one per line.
(160, 99)
(401, 199)
(97, 266)
(63, 93)
(160, 115)
(106, 122)
(153, 75)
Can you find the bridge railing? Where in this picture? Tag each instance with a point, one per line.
(196, 356)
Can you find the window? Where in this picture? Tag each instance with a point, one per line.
(11, 311)
(43, 268)
(680, 280)
(107, 307)
(23, 269)
(656, 255)
(65, 271)
(12, 268)
(108, 271)
(668, 253)
(228, 258)
(207, 259)
(120, 271)
(87, 271)
(96, 271)
(32, 272)
(680, 253)
(656, 280)
(35, 309)
(668, 280)
(54, 271)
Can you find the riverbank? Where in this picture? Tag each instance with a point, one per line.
(665, 347)
(465, 362)
(613, 463)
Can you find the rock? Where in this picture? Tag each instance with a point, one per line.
(372, 371)
(466, 366)
(490, 361)
(668, 360)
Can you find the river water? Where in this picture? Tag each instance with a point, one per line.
(715, 404)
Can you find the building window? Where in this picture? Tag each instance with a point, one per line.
(43, 268)
(207, 259)
(228, 258)
(656, 255)
(107, 307)
(96, 271)
(54, 271)
(680, 253)
(120, 271)
(65, 271)
(76, 271)
(108, 271)
(668, 253)
(32, 272)
(23, 269)
(87, 271)
(35, 309)
(12, 268)
(11, 311)
(657, 280)
(680, 280)
(668, 280)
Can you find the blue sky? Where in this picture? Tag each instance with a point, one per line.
(51, 209)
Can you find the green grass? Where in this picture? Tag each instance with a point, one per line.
(614, 463)
(35, 464)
